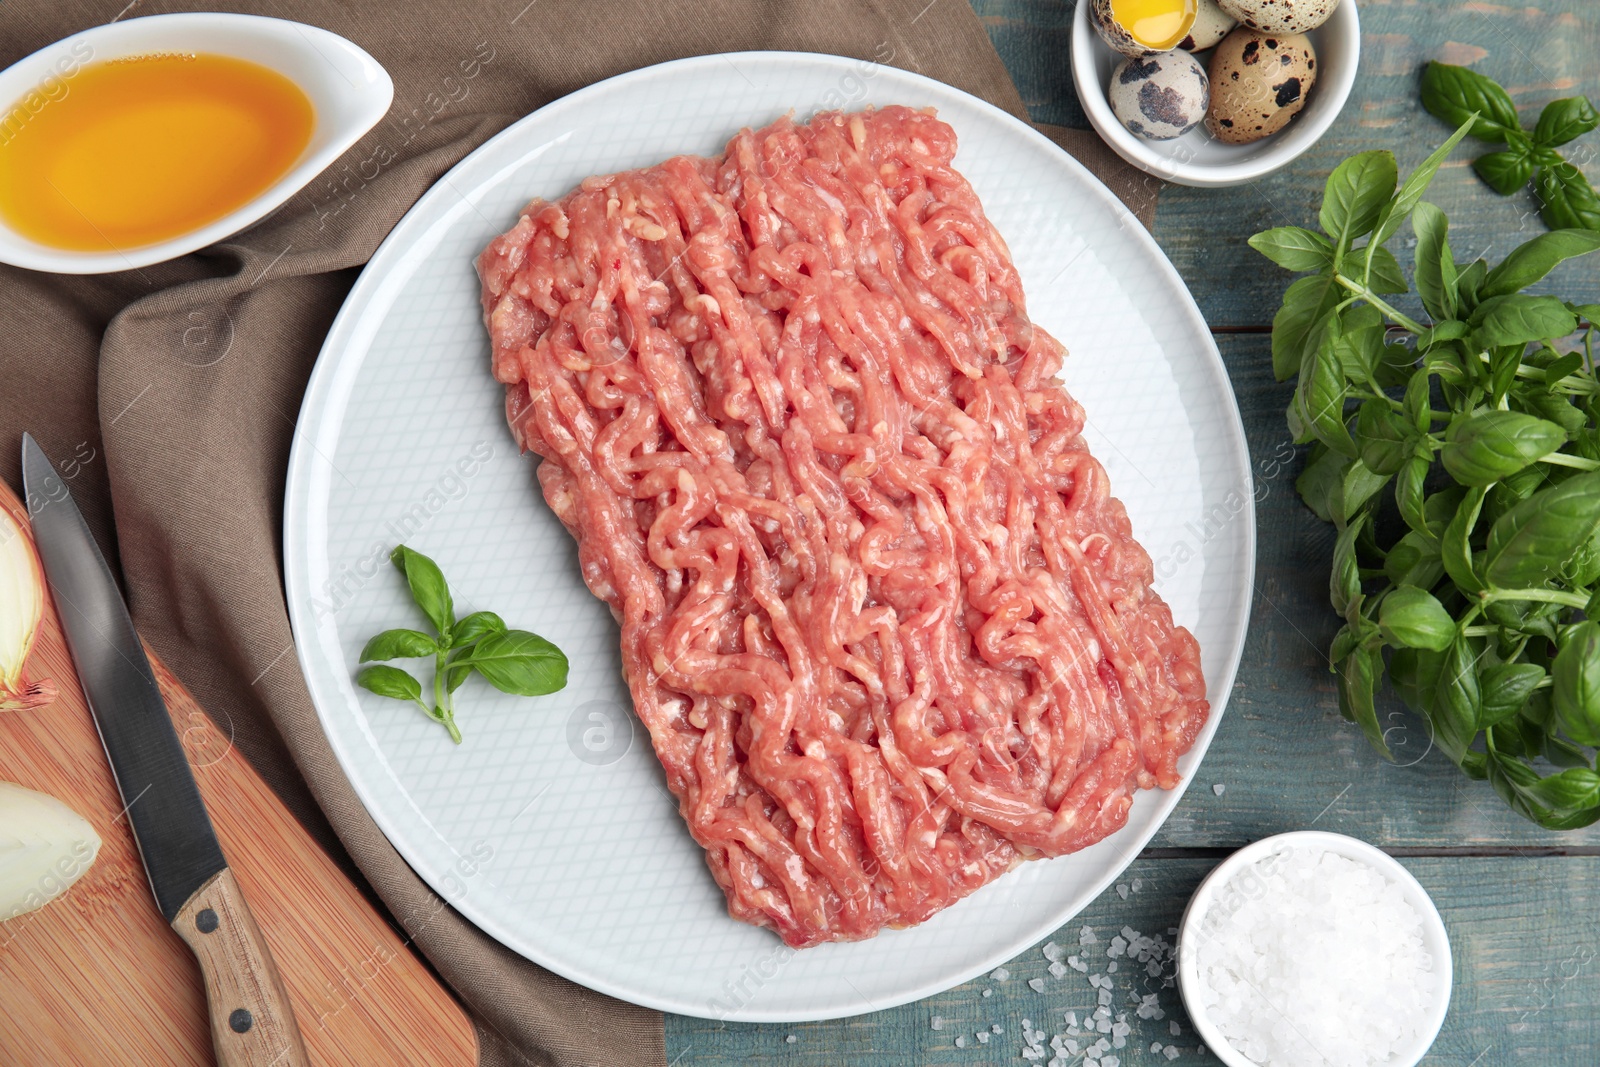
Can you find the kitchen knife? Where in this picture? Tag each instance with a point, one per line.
(252, 1023)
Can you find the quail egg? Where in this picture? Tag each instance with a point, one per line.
(1259, 82)
(1142, 27)
(1159, 97)
(1211, 24)
(1280, 16)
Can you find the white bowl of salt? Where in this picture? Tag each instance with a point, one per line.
(1312, 949)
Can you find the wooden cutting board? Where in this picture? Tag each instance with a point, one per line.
(97, 977)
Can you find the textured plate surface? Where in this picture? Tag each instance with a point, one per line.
(550, 826)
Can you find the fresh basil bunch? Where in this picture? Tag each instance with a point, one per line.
(1566, 199)
(1460, 460)
(513, 661)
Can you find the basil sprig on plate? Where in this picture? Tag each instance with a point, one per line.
(1459, 457)
(1566, 199)
(513, 661)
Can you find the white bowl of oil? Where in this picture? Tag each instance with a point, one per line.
(135, 142)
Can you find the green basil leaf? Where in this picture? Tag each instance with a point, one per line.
(1566, 199)
(1468, 280)
(1529, 544)
(1575, 790)
(1416, 183)
(1457, 700)
(1321, 484)
(1305, 304)
(1564, 120)
(1575, 688)
(478, 624)
(399, 644)
(1386, 275)
(1518, 319)
(1359, 675)
(1482, 449)
(1413, 618)
(1454, 93)
(519, 662)
(390, 682)
(1414, 560)
(1554, 374)
(1415, 675)
(1321, 391)
(1455, 547)
(1294, 248)
(1435, 269)
(1382, 437)
(1356, 193)
(1505, 172)
(428, 587)
(1358, 486)
(457, 674)
(1344, 580)
(1535, 258)
(1408, 493)
(1505, 688)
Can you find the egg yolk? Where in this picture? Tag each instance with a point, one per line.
(1159, 24)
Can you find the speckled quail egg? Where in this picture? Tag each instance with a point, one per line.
(1280, 16)
(1259, 82)
(1142, 27)
(1211, 24)
(1159, 97)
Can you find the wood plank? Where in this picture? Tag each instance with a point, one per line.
(1524, 934)
(97, 977)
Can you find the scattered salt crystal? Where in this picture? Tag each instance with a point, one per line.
(1036, 984)
(1027, 1024)
(996, 1028)
(1105, 996)
(1072, 1018)
(936, 1023)
(1138, 884)
(1058, 970)
(1086, 936)
(988, 992)
(1307, 956)
(1219, 789)
(791, 1039)
(1122, 891)
(1170, 1052)
(1000, 974)
(1111, 968)
(983, 1037)
(1072, 1047)
(961, 1041)
(1155, 1046)
(1174, 1028)
(1053, 952)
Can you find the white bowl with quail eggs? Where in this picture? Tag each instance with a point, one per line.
(1213, 93)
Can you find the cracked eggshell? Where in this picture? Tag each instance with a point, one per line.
(1211, 24)
(1259, 81)
(1280, 16)
(1159, 97)
(1115, 34)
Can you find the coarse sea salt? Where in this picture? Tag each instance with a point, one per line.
(1306, 956)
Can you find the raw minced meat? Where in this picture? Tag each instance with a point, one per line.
(887, 628)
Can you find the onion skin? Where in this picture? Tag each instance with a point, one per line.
(17, 551)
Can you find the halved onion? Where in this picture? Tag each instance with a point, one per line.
(21, 608)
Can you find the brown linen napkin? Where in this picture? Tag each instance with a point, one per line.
(168, 396)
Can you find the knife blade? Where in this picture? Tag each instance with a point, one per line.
(252, 1021)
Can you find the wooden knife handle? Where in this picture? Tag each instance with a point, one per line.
(252, 1023)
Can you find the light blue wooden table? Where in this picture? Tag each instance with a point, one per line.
(1522, 905)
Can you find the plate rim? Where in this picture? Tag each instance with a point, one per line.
(302, 451)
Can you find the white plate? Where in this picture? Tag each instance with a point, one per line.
(562, 842)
